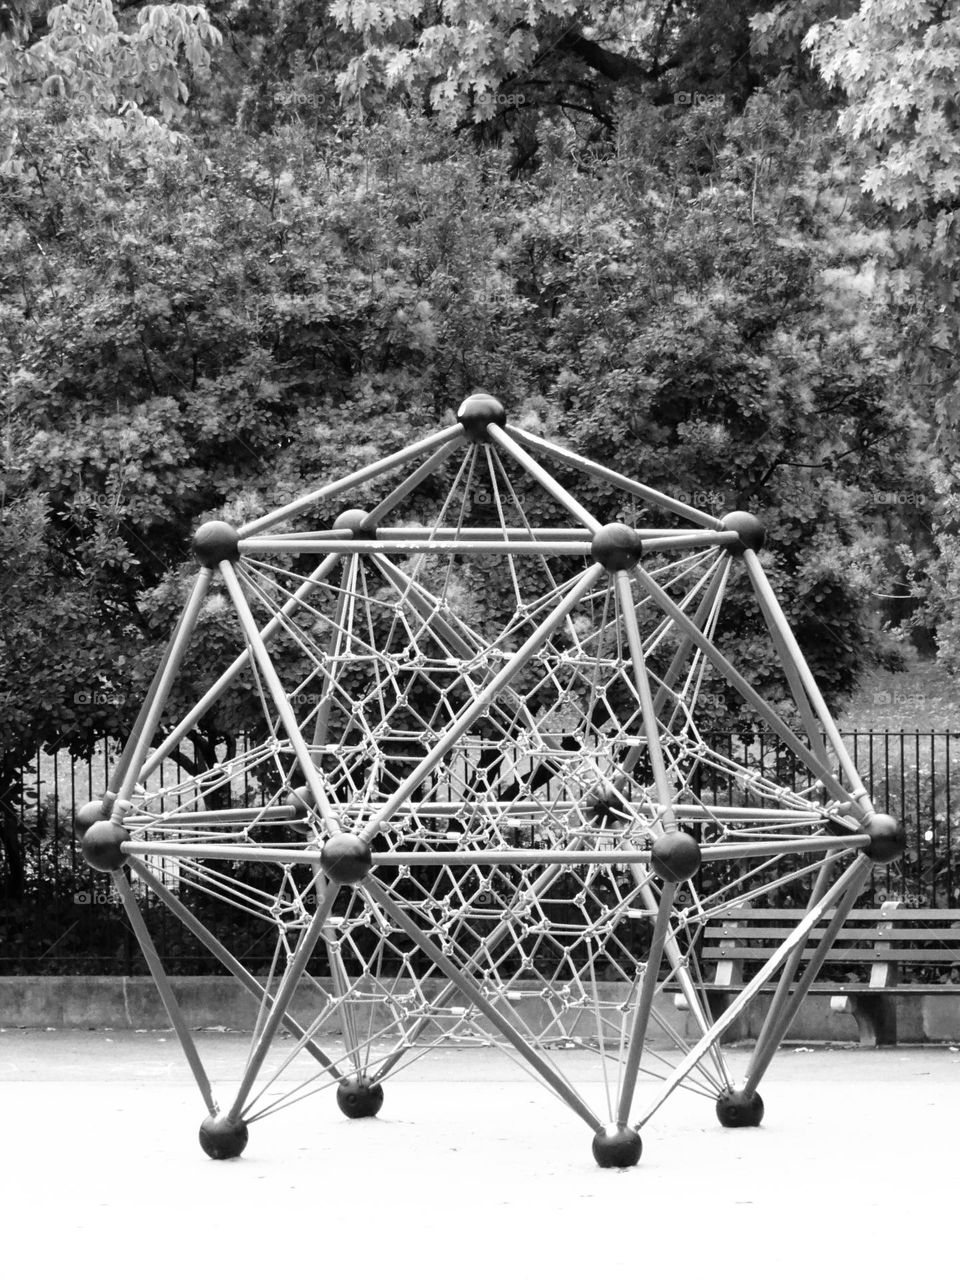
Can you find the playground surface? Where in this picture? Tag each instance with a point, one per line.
(471, 1169)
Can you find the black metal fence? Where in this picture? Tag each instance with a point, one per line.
(68, 921)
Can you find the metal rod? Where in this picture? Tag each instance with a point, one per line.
(189, 721)
(614, 478)
(165, 990)
(691, 994)
(765, 848)
(763, 1053)
(533, 468)
(664, 791)
(287, 856)
(542, 882)
(733, 677)
(480, 705)
(426, 468)
(790, 966)
(473, 993)
(278, 693)
(783, 634)
(641, 1016)
(335, 648)
(345, 544)
(390, 463)
(684, 642)
(150, 721)
(227, 959)
(288, 984)
(739, 1003)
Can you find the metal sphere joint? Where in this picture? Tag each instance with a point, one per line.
(750, 529)
(888, 839)
(477, 412)
(357, 521)
(675, 856)
(215, 541)
(346, 859)
(616, 546)
(101, 845)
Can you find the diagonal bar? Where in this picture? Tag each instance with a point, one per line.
(641, 1016)
(149, 721)
(472, 992)
(786, 643)
(733, 677)
(763, 1051)
(227, 959)
(543, 477)
(390, 463)
(158, 973)
(179, 732)
(762, 976)
(665, 796)
(614, 478)
(479, 707)
(278, 693)
(294, 972)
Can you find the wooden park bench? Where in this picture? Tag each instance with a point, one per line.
(897, 943)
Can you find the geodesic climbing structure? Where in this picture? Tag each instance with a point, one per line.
(478, 776)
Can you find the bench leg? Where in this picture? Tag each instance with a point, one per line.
(876, 1016)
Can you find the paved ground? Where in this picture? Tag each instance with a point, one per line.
(471, 1170)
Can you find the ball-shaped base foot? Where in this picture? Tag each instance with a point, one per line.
(101, 846)
(616, 546)
(617, 1147)
(739, 1110)
(477, 412)
(888, 839)
(215, 541)
(346, 859)
(675, 856)
(358, 1098)
(223, 1138)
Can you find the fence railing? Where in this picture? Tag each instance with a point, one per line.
(68, 921)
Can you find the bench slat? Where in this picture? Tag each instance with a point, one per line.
(859, 913)
(884, 932)
(936, 955)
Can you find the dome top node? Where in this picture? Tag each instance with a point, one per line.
(477, 412)
(215, 541)
(750, 529)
